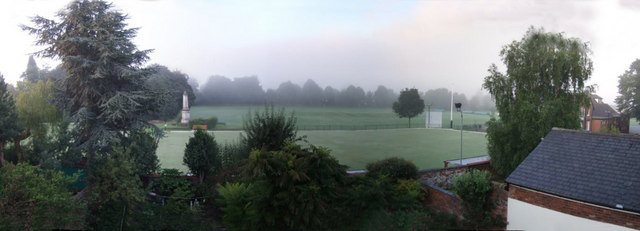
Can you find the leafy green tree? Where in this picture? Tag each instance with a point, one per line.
(629, 89)
(384, 97)
(298, 188)
(9, 128)
(201, 154)
(409, 104)
(269, 130)
(33, 73)
(175, 83)
(36, 199)
(542, 88)
(171, 204)
(116, 195)
(142, 146)
(104, 89)
(35, 108)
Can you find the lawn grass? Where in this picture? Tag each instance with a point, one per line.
(427, 148)
(331, 118)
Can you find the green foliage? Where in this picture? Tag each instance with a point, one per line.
(629, 90)
(61, 146)
(211, 122)
(474, 188)
(115, 192)
(103, 91)
(269, 130)
(409, 104)
(33, 102)
(201, 154)
(543, 87)
(417, 219)
(141, 147)
(32, 73)
(411, 188)
(9, 128)
(232, 156)
(236, 201)
(307, 189)
(171, 205)
(175, 84)
(394, 167)
(39, 116)
(298, 188)
(610, 129)
(36, 199)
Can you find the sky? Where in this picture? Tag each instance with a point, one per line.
(399, 44)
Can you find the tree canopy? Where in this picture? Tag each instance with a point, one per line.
(201, 154)
(104, 88)
(174, 83)
(32, 73)
(629, 88)
(9, 128)
(409, 104)
(542, 88)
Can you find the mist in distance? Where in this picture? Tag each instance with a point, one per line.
(397, 44)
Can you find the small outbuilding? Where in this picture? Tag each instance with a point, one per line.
(576, 180)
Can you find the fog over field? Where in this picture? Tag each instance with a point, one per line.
(398, 44)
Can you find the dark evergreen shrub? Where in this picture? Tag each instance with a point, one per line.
(394, 167)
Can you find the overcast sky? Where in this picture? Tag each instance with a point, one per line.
(404, 43)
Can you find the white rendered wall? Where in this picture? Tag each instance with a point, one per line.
(525, 216)
(436, 119)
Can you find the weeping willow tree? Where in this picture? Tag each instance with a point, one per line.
(543, 87)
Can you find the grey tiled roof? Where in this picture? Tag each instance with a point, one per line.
(594, 168)
(603, 110)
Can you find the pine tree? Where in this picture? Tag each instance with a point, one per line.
(32, 74)
(104, 89)
(9, 128)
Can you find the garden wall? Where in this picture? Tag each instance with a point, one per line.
(437, 181)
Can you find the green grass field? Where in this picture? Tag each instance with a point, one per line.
(330, 118)
(427, 148)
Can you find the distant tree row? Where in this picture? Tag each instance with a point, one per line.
(220, 90)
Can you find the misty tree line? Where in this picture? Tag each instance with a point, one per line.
(220, 90)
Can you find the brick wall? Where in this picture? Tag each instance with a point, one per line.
(575, 208)
(443, 177)
(445, 201)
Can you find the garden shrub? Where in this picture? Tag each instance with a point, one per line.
(411, 188)
(474, 188)
(36, 199)
(232, 156)
(394, 167)
(297, 187)
(235, 200)
(416, 219)
(270, 130)
(172, 204)
(201, 154)
(211, 122)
